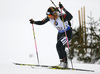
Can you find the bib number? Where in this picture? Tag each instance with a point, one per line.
(63, 40)
(59, 28)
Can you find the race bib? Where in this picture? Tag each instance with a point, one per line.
(63, 40)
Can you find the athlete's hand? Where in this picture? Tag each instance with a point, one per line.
(60, 5)
(31, 21)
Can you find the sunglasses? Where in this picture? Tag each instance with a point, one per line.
(49, 15)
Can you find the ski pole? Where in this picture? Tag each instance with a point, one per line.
(35, 43)
(64, 29)
(63, 23)
(53, 3)
(66, 36)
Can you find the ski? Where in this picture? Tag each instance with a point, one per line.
(53, 67)
(31, 65)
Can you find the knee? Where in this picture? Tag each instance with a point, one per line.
(58, 45)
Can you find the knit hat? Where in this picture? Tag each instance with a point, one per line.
(51, 10)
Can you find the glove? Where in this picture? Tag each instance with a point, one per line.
(31, 21)
(60, 5)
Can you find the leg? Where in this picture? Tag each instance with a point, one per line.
(62, 55)
(61, 48)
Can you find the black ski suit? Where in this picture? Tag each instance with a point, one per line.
(60, 46)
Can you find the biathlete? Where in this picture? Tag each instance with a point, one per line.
(57, 21)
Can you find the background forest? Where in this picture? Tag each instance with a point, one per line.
(85, 43)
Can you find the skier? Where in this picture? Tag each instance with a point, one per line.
(56, 19)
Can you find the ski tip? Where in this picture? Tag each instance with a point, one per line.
(16, 63)
(92, 71)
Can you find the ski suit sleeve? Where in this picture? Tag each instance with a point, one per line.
(67, 16)
(45, 20)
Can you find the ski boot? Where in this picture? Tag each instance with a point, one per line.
(63, 64)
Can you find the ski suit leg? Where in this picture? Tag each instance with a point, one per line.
(60, 47)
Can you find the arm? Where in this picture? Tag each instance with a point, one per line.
(45, 20)
(67, 16)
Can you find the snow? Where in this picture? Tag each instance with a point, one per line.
(10, 68)
(16, 35)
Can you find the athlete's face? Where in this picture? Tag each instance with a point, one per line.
(51, 17)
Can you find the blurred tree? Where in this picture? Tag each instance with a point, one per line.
(92, 54)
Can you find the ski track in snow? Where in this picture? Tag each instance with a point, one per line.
(16, 39)
(10, 68)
